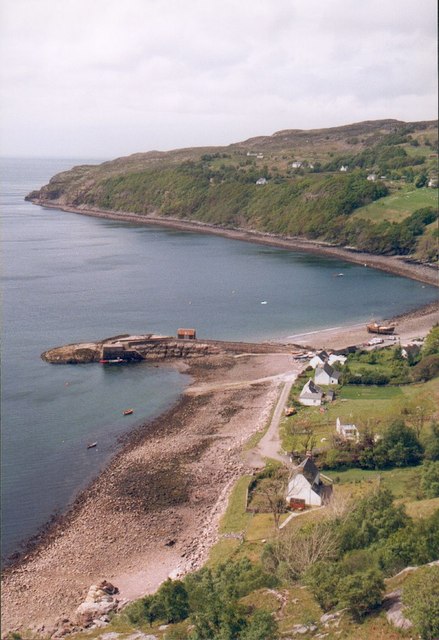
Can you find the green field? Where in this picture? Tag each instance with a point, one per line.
(365, 406)
(398, 205)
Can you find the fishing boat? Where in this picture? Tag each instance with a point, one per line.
(92, 445)
(128, 412)
(112, 361)
(385, 329)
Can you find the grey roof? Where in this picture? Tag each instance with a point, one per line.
(309, 469)
(328, 370)
(310, 390)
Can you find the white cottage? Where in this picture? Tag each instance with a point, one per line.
(319, 359)
(347, 431)
(325, 374)
(261, 181)
(335, 358)
(311, 395)
(304, 486)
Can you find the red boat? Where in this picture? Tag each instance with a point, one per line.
(112, 361)
(128, 412)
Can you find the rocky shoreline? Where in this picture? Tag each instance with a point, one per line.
(155, 509)
(398, 265)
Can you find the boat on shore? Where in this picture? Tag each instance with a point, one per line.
(384, 329)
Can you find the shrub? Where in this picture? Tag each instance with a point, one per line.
(323, 579)
(430, 479)
(421, 598)
(261, 626)
(427, 368)
(361, 592)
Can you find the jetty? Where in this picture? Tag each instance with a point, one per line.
(151, 347)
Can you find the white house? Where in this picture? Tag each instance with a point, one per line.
(296, 164)
(344, 168)
(318, 359)
(311, 395)
(432, 183)
(347, 431)
(325, 374)
(335, 358)
(371, 177)
(261, 181)
(304, 485)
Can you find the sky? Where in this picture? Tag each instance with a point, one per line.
(106, 78)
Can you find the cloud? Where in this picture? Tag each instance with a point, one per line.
(106, 78)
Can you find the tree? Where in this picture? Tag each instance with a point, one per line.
(323, 579)
(273, 490)
(421, 599)
(261, 626)
(361, 592)
(430, 478)
(172, 599)
(398, 447)
(431, 343)
(373, 519)
(431, 443)
(295, 551)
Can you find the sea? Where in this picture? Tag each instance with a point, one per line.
(71, 278)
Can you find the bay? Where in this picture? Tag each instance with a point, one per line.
(70, 278)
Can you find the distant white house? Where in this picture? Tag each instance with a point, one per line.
(344, 168)
(296, 164)
(261, 181)
(311, 165)
(432, 183)
(335, 358)
(311, 395)
(371, 177)
(325, 374)
(260, 156)
(304, 485)
(318, 359)
(347, 431)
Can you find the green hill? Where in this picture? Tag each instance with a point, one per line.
(304, 192)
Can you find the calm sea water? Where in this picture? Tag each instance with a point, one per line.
(69, 278)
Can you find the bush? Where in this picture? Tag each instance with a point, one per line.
(421, 599)
(430, 479)
(323, 579)
(398, 447)
(261, 626)
(361, 592)
(427, 368)
(373, 519)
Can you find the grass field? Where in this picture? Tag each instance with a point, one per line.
(397, 206)
(364, 406)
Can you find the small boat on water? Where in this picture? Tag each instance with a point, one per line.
(385, 329)
(92, 445)
(128, 412)
(112, 361)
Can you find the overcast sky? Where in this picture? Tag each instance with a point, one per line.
(104, 78)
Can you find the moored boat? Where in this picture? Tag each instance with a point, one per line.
(92, 445)
(128, 412)
(112, 361)
(385, 329)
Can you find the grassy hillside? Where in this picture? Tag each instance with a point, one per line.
(304, 193)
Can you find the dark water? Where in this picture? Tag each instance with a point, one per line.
(70, 278)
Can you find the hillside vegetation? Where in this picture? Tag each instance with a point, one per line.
(381, 203)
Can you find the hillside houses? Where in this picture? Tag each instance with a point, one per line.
(347, 431)
(311, 395)
(325, 374)
(305, 487)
